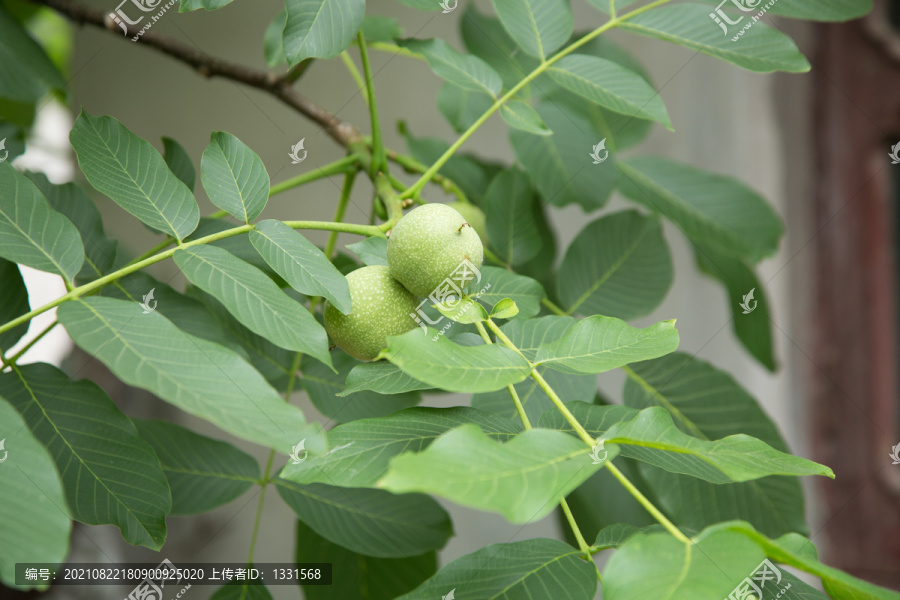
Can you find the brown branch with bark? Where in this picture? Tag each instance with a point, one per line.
(279, 86)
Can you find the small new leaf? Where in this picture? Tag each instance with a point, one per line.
(504, 309)
(464, 311)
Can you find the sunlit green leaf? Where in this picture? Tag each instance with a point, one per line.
(524, 291)
(522, 479)
(656, 565)
(361, 450)
(437, 361)
(597, 344)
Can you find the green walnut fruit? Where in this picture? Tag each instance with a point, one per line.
(381, 307)
(429, 244)
(474, 217)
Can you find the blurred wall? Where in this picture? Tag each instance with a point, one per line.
(727, 120)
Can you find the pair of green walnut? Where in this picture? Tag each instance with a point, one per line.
(425, 247)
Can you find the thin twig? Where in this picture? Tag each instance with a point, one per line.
(279, 86)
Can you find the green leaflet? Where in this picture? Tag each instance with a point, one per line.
(32, 501)
(522, 479)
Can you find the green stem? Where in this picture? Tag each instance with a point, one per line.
(259, 508)
(520, 408)
(154, 250)
(395, 49)
(411, 165)
(579, 429)
(488, 254)
(392, 202)
(355, 74)
(503, 338)
(12, 360)
(646, 503)
(590, 441)
(483, 333)
(347, 188)
(379, 162)
(348, 164)
(613, 22)
(295, 366)
(554, 308)
(526, 422)
(612, 9)
(344, 165)
(364, 230)
(582, 544)
(560, 405)
(654, 393)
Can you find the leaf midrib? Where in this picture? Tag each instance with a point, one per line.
(28, 237)
(629, 251)
(678, 202)
(128, 173)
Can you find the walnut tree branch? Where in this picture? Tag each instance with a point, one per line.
(279, 86)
